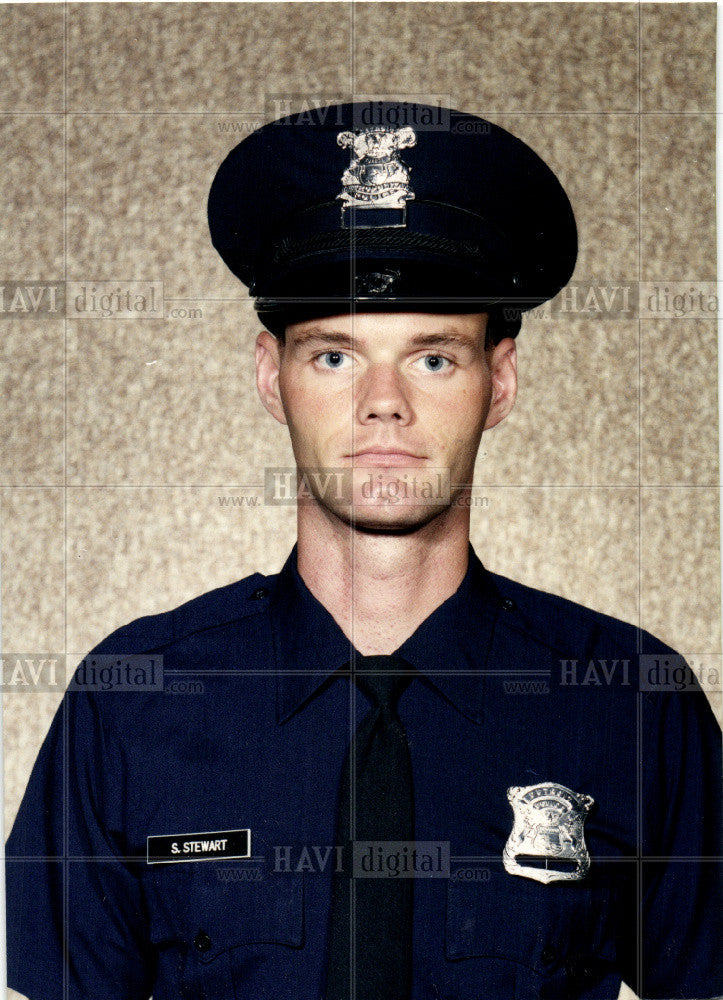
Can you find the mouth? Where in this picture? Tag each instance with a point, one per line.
(385, 458)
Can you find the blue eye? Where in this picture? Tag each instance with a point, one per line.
(332, 359)
(434, 362)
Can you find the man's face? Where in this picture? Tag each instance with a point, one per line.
(396, 402)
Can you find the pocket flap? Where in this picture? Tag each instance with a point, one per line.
(518, 919)
(213, 906)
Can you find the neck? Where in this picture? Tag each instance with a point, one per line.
(379, 588)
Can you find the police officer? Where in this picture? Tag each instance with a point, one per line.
(355, 804)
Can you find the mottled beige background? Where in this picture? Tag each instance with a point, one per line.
(119, 437)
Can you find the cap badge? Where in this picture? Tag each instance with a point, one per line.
(376, 177)
(375, 283)
(547, 842)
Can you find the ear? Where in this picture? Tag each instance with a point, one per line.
(268, 361)
(503, 368)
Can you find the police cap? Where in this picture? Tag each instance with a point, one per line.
(391, 206)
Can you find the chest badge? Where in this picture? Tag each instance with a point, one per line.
(547, 842)
(376, 177)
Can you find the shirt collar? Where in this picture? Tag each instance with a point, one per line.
(450, 647)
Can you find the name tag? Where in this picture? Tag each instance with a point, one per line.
(178, 847)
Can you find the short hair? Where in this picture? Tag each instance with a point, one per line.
(502, 323)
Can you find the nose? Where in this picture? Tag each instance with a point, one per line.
(381, 396)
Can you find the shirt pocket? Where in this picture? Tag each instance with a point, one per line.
(222, 928)
(544, 940)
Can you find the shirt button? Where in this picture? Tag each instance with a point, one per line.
(259, 594)
(202, 942)
(579, 971)
(548, 955)
(508, 604)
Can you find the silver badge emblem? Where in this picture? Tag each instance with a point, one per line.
(376, 177)
(548, 825)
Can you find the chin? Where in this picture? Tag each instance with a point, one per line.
(377, 518)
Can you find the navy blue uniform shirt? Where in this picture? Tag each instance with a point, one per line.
(514, 688)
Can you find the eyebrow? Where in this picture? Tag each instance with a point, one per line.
(322, 337)
(441, 339)
(338, 339)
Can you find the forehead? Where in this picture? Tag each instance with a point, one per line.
(397, 326)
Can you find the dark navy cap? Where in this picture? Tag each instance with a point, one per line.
(392, 206)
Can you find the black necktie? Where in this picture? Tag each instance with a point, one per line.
(370, 937)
